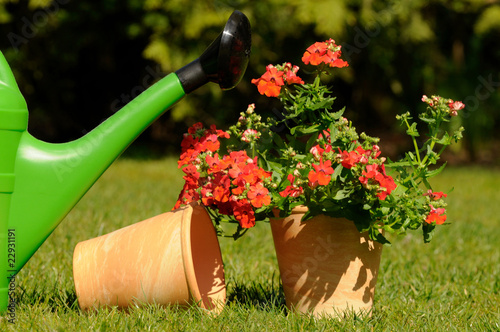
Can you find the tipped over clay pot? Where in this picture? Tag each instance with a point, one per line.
(173, 258)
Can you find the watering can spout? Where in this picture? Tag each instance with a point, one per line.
(41, 182)
(224, 61)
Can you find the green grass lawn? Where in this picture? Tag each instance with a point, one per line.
(451, 284)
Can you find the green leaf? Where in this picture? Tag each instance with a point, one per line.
(334, 132)
(321, 104)
(360, 217)
(338, 115)
(312, 141)
(308, 215)
(445, 140)
(426, 119)
(375, 235)
(304, 130)
(428, 232)
(337, 172)
(275, 166)
(433, 156)
(436, 171)
(342, 193)
(412, 131)
(278, 141)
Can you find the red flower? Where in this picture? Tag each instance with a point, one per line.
(209, 143)
(221, 183)
(221, 194)
(436, 215)
(455, 106)
(187, 157)
(291, 74)
(291, 190)
(199, 140)
(194, 128)
(324, 52)
(218, 182)
(218, 132)
(186, 196)
(314, 54)
(387, 185)
(250, 135)
(259, 195)
(351, 158)
(215, 164)
(317, 151)
(435, 195)
(243, 212)
(191, 171)
(270, 83)
(321, 174)
(375, 174)
(188, 142)
(207, 197)
(376, 151)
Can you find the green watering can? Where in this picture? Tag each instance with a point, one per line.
(41, 182)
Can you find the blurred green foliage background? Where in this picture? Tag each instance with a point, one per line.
(78, 62)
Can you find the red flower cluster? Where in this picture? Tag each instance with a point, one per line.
(435, 101)
(455, 106)
(375, 175)
(292, 190)
(321, 175)
(360, 155)
(199, 139)
(372, 174)
(232, 184)
(274, 78)
(436, 215)
(326, 52)
(435, 195)
(270, 83)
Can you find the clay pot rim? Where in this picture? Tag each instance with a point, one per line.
(300, 209)
(187, 256)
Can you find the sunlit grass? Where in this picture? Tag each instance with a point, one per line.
(451, 284)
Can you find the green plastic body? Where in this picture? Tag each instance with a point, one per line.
(41, 182)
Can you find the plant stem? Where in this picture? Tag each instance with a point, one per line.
(414, 143)
(433, 131)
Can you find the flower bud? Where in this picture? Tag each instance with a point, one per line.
(251, 108)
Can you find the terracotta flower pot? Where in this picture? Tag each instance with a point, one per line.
(326, 265)
(171, 258)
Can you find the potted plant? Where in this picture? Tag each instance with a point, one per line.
(319, 182)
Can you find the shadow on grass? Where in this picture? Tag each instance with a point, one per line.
(56, 298)
(257, 294)
(262, 295)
